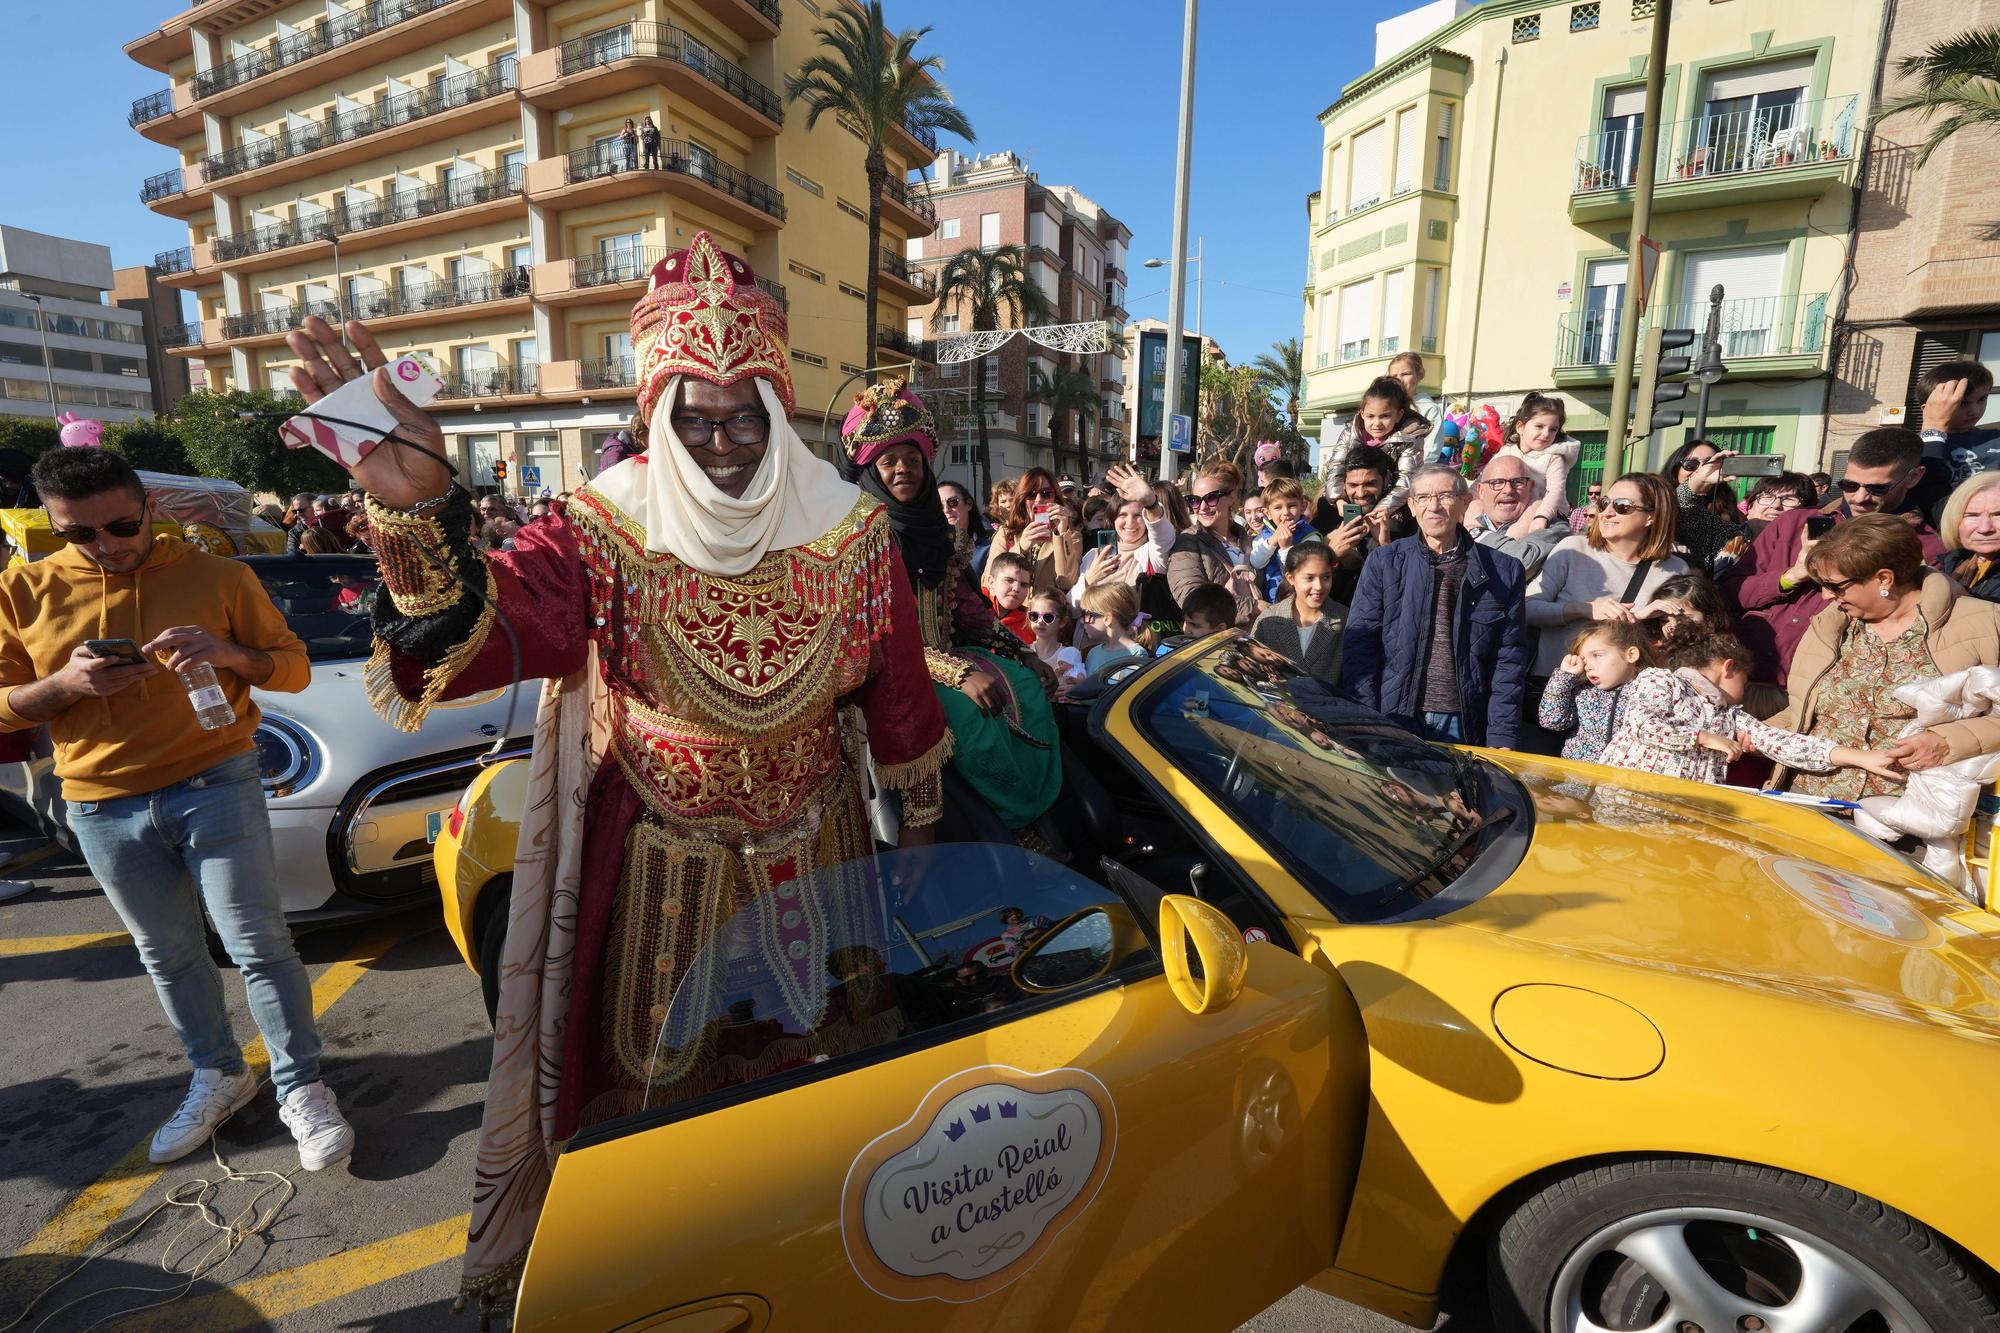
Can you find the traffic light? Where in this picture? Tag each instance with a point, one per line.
(1656, 386)
(500, 467)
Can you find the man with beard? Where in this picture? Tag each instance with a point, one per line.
(705, 614)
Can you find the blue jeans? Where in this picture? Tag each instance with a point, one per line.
(206, 840)
(1441, 727)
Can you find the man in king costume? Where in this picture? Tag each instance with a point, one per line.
(720, 621)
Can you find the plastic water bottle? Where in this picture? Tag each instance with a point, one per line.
(211, 705)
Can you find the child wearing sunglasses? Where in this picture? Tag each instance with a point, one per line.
(1048, 619)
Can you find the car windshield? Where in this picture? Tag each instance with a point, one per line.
(1377, 823)
(879, 951)
(325, 599)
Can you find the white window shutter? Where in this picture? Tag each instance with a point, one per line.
(1368, 165)
(1442, 179)
(1409, 150)
(1355, 311)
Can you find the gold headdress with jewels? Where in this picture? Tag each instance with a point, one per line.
(706, 317)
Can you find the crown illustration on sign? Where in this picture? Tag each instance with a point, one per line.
(706, 317)
(883, 415)
(955, 1131)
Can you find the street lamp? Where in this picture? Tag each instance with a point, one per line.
(1194, 259)
(1176, 282)
(48, 362)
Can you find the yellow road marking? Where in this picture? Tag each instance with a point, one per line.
(36, 857)
(58, 943)
(86, 1217)
(251, 1304)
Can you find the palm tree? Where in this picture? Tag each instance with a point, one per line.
(1072, 391)
(874, 82)
(1282, 370)
(985, 287)
(1959, 79)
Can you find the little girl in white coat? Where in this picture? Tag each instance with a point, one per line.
(1535, 436)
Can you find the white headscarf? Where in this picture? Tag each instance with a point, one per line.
(795, 497)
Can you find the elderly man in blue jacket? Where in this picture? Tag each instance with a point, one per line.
(1437, 637)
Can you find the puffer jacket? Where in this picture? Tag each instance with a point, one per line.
(1964, 632)
(1405, 447)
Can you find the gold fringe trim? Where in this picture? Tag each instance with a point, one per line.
(945, 668)
(929, 764)
(491, 1294)
(378, 678)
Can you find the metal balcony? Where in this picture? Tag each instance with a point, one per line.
(498, 284)
(625, 265)
(486, 382)
(913, 200)
(181, 335)
(607, 372)
(334, 33)
(896, 340)
(150, 107)
(160, 186)
(387, 114)
(283, 319)
(899, 268)
(345, 220)
(174, 261)
(679, 158)
(1741, 143)
(664, 41)
(1758, 328)
(776, 291)
(922, 134)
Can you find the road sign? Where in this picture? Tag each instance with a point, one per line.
(1649, 266)
(531, 476)
(1180, 433)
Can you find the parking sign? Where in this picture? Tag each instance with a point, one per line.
(1180, 434)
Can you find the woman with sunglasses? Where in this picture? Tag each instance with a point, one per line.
(1038, 528)
(1604, 574)
(1709, 518)
(1214, 549)
(963, 514)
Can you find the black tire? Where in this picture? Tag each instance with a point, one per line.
(1533, 1249)
(489, 926)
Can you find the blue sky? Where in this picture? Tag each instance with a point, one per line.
(1083, 89)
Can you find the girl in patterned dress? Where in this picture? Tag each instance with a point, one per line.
(1583, 694)
(1688, 722)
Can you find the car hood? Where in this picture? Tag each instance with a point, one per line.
(334, 708)
(1713, 882)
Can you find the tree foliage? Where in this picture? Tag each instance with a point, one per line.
(220, 444)
(31, 435)
(1282, 370)
(1236, 412)
(153, 445)
(985, 287)
(1957, 88)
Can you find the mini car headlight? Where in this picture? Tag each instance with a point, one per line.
(286, 757)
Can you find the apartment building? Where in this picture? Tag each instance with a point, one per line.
(1926, 261)
(451, 172)
(63, 348)
(1475, 201)
(139, 288)
(1151, 382)
(1077, 257)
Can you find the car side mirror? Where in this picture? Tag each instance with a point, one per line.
(1214, 975)
(1075, 950)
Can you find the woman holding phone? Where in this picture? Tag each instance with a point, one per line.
(1142, 533)
(1709, 519)
(1038, 529)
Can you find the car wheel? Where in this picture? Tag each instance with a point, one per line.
(1698, 1246)
(490, 938)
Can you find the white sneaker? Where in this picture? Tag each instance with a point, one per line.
(212, 1098)
(314, 1119)
(11, 889)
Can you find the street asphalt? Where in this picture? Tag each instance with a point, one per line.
(92, 1068)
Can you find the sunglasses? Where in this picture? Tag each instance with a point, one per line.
(1045, 493)
(1874, 488)
(1629, 507)
(1043, 617)
(1690, 464)
(954, 502)
(1209, 501)
(122, 528)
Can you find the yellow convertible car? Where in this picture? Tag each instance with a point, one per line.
(1302, 999)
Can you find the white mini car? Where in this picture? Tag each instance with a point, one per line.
(355, 804)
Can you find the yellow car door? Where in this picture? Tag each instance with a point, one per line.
(1009, 1100)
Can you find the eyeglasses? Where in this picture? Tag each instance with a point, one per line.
(1043, 617)
(743, 428)
(954, 502)
(1629, 507)
(1506, 483)
(1877, 489)
(1837, 586)
(123, 528)
(1435, 500)
(1209, 501)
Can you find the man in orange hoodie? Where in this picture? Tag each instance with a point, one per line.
(169, 812)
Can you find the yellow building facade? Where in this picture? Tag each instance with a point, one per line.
(1475, 202)
(452, 172)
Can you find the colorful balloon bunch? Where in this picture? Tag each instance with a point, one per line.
(1465, 440)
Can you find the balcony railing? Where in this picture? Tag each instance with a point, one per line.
(922, 134)
(499, 284)
(626, 265)
(1739, 143)
(1752, 327)
(174, 261)
(282, 319)
(769, 9)
(315, 41)
(896, 266)
(1354, 350)
(776, 291)
(917, 200)
(663, 41)
(160, 186)
(344, 219)
(679, 158)
(387, 114)
(607, 372)
(181, 335)
(150, 107)
(896, 340)
(486, 382)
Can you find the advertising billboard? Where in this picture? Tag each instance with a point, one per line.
(1153, 379)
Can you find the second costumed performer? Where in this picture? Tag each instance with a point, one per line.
(718, 619)
(1004, 741)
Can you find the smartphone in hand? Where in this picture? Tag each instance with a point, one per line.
(350, 422)
(1753, 465)
(1349, 511)
(1819, 525)
(123, 651)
